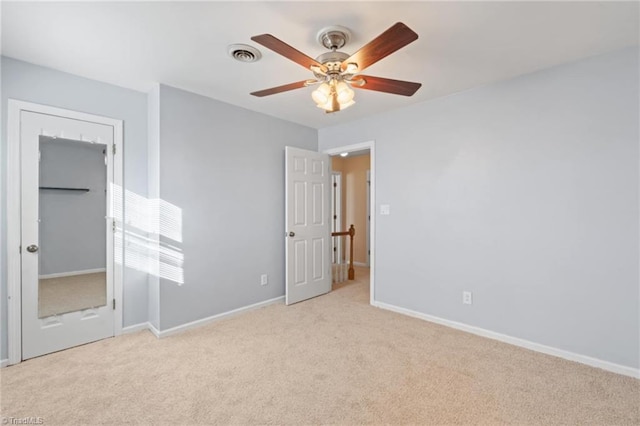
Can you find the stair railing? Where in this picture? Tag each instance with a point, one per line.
(337, 270)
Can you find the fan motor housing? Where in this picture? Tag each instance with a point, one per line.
(333, 37)
(329, 59)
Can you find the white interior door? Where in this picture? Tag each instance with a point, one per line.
(49, 331)
(308, 224)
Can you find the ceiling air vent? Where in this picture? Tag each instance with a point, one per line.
(244, 53)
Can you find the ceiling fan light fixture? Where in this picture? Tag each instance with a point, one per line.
(322, 94)
(328, 106)
(344, 92)
(333, 96)
(347, 105)
(332, 105)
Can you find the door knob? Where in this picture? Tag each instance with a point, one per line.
(292, 234)
(32, 248)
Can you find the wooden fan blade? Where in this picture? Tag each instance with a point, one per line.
(395, 38)
(280, 89)
(279, 46)
(387, 85)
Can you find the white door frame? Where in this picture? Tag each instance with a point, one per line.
(369, 211)
(336, 203)
(14, 279)
(370, 145)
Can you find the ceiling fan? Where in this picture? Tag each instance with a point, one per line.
(336, 72)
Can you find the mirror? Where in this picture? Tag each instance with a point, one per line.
(72, 226)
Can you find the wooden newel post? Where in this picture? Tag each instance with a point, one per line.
(352, 272)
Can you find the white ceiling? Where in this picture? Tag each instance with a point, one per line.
(461, 45)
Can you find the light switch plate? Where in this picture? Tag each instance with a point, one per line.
(385, 209)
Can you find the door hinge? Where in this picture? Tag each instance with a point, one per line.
(113, 225)
(19, 249)
(114, 149)
(114, 304)
(335, 184)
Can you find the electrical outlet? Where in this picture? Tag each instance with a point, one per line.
(264, 279)
(467, 298)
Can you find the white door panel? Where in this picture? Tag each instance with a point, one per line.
(64, 330)
(307, 220)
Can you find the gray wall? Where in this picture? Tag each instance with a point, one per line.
(223, 166)
(28, 82)
(72, 229)
(524, 192)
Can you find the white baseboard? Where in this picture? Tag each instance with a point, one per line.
(154, 330)
(135, 328)
(583, 359)
(142, 326)
(224, 315)
(4, 363)
(164, 333)
(362, 264)
(72, 273)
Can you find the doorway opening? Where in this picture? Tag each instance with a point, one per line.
(353, 199)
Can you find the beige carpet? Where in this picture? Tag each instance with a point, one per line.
(330, 360)
(69, 294)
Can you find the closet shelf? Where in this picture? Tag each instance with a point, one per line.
(64, 189)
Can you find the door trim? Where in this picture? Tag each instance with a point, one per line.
(369, 212)
(337, 204)
(14, 279)
(370, 145)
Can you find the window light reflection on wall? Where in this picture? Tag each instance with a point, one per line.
(152, 238)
